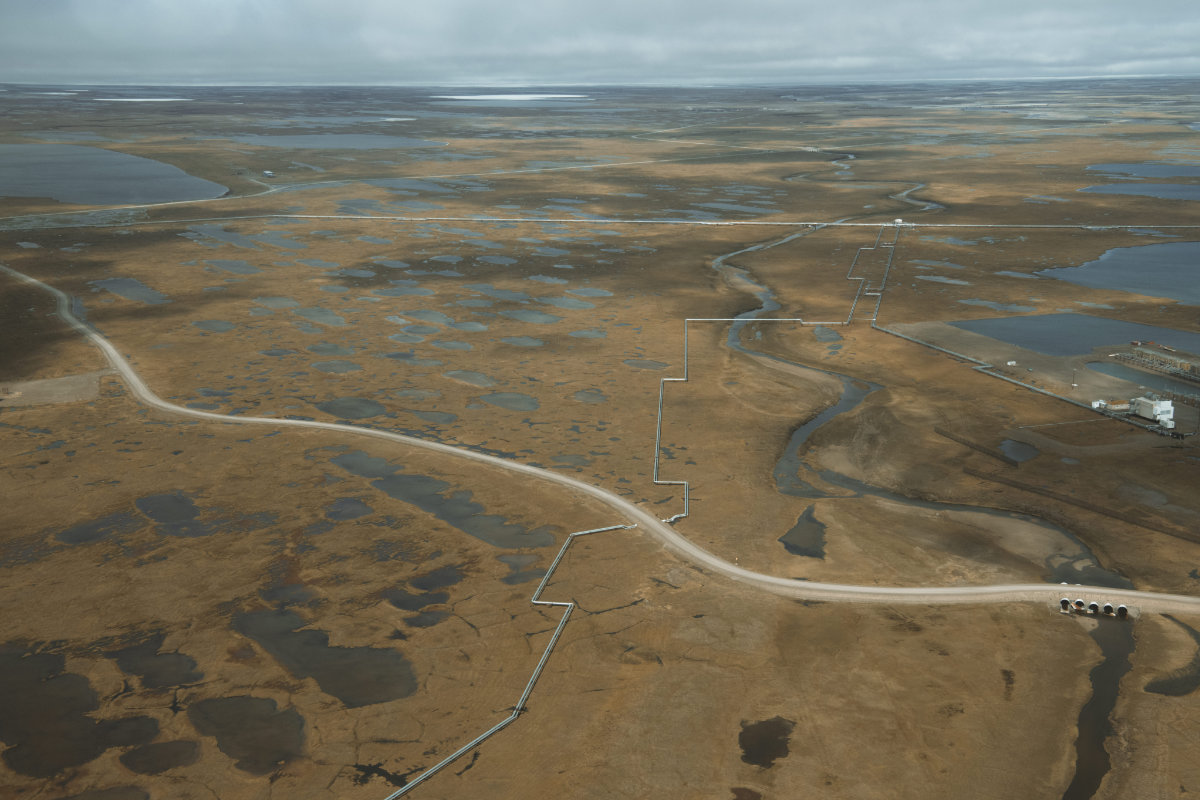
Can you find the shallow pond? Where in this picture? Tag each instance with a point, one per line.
(1165, 269)
(1074, 334)
(95, 176)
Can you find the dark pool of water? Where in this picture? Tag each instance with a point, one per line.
(1075, 334)
(588, 333)
(453, 506)
(530, 315)
(158, 757)
(157, 670)
(943, 279)
(357, 676)
(522, 341)
(995, 306)
(513, 401)
(214, 325)
(403, 291)
(328, 349)
(519, 565)
(277, 302)
(470, 377)
(336, 367)
(1186, 679)
(569, 303)
(434, 417)
(498, 294)
(334, 141)
(807, 537)
(344, 509)
(590, 396)
(320, 315)
(763, 743)
(1092, 763)
(1165, 269)
(95, 176)
(236, 266)
(47, 715)
(251, 730)
(440, 578)
(1019, 451)
(1151, 380)
(1150, 169)
(176, 514)
(826, 335)
(406, 338)
(132, 289)
(1160, 191)
(94, 530)
(351, 408)
(407, 601)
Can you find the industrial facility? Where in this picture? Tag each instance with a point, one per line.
(1150, 408)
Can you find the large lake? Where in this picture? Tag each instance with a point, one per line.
(334, 141)
(93, 176)
(1167, 269)
(1075, 334)
(1148, 169)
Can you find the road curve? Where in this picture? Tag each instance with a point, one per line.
(665, 534)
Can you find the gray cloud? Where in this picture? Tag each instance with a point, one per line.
(586, 41)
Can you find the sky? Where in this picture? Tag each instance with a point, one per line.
(581, 42)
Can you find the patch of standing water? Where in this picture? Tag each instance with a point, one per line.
(95, 176)
(453, 506)
(132, 289)
(1150, 380)
(1069, 334)
(513, 401)
(531, 316)
(334, 141)
(1164, 269)
(214, 325)
(471, 378)
(807, 537)
(1019, 451)
(329, 349)
(336, 367)
(351, 407)
(237, 267)
(943, 279)
(320, 315)
(826, 335)
(992, 304)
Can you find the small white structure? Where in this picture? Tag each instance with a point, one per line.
(1161, 411)
(899, 222)
(268, 173)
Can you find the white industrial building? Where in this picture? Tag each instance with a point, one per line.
(1161, 411)
(1149, 408)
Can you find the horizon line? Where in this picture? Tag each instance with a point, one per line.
(707, 84)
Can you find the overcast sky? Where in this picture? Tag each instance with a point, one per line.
(528, 42)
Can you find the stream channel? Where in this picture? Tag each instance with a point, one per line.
(1115, 638)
